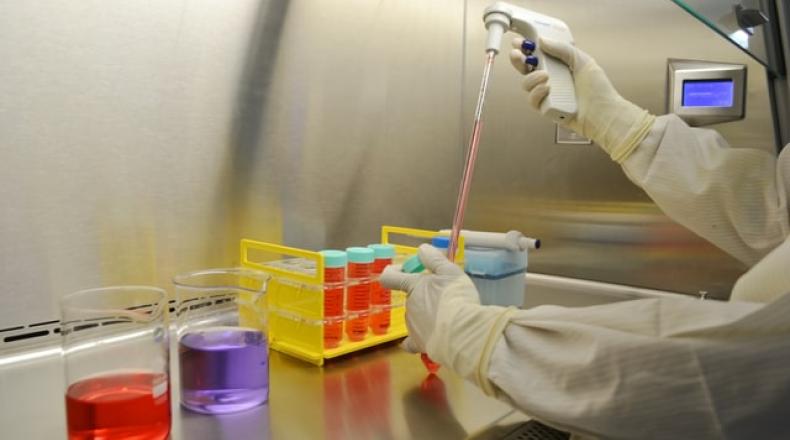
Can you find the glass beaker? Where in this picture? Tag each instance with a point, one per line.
(223, 351)
(115, 350)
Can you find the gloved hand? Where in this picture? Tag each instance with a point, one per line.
(425, 292)
(617, 125)
(445, 318)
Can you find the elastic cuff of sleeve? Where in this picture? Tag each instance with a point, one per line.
(641, 129)
(494, 333)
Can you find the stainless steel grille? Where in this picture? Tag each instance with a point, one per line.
(48, 332)
(28, 334)
(534, 430)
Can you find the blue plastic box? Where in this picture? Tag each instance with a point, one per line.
(498, 275)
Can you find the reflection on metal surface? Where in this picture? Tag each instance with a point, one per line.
(429, 401)
(357, 403)
(378, 393)
(27, 356)
(253, 424)
(565, 135)
(628, 243)
(381, 393)
(573, 292)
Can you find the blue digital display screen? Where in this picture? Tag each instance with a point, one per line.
(708, 93)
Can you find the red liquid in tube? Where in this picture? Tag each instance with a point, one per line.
(358, 300)
(380, 300)
(334, 287)
(333, 305)
(360, 267)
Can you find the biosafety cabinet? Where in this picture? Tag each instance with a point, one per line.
(139, 140)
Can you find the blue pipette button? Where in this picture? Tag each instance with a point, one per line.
(532, 60)
(528, 46)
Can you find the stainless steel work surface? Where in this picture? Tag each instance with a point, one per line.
(381, 393)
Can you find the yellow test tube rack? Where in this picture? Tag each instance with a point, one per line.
(295, 296)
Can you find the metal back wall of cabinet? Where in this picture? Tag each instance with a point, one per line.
(595, 224)
(141, 139)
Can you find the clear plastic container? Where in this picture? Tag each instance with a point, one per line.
(498, 275)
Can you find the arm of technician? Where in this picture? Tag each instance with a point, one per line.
(654, 368)
(672, 367)
(735, 198)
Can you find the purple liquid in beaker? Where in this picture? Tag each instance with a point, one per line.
(223, 369)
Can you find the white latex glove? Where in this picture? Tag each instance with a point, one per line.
(425, 291)
(445, 318)
(604, 116)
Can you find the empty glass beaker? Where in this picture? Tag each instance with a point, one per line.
(115, 349)
(223, 351)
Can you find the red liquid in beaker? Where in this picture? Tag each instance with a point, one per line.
(134, 406)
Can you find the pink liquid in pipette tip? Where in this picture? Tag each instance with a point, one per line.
(471, 158)
(466, 180)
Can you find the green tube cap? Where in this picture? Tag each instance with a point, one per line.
(360, 255)
(334, 259)
(383, 250)
(413, 265)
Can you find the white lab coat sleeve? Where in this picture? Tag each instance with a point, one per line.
(766, 280)
(735, 198)
(676, 368)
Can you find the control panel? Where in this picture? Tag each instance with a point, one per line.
(704, 92)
